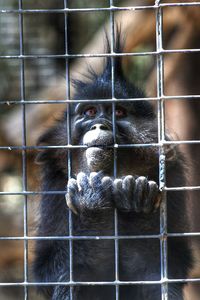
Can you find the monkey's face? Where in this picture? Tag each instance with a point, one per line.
(135, 124)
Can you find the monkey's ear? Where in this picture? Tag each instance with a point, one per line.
(47, 139)
(171, 153)
(170, 150)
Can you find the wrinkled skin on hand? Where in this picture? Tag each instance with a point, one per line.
(94, 192)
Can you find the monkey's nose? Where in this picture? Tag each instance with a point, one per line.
(99, 127)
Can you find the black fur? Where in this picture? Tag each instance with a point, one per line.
(94, 260)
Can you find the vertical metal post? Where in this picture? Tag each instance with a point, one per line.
(69, 167)
(112, 43)
(24, 167)
(161, 138)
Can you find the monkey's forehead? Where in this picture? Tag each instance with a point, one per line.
(102, 87)
(99, 92)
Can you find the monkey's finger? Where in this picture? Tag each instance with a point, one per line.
(71, 195)
(72, 186)
(82, 181)
(128, 186)
(140, 193)
(118, 193)
(154, 194)
(107, 183)
(150, 198)
(117, 185)
(157, 200)
(70, 204)
(106, 180)
(95, 180)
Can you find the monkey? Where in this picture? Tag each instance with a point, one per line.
(97, 198)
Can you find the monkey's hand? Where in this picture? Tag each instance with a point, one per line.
(89, 193)
(136, 194)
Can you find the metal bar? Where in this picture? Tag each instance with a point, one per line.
(32, 193)
(99, 237)
(11, 148)
(155, 145)
(94, 55)
(159, 144)
(69, 162)
(24, 167)
(74, 10)
(99, 283)
(105, 9)
(177, 97)
(112, 51)
(161, 138)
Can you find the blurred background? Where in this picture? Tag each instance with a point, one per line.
(45, 79)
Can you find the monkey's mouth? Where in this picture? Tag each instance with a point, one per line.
(100, 145)
(103, 142)
(98, 157)
(98, 139)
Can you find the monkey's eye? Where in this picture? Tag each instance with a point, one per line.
(90, 112)
(120, 112)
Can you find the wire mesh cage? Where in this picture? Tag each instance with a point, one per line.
(40, 56)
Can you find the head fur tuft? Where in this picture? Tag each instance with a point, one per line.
(99, 86)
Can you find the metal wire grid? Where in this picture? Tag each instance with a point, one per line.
(160, 99)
